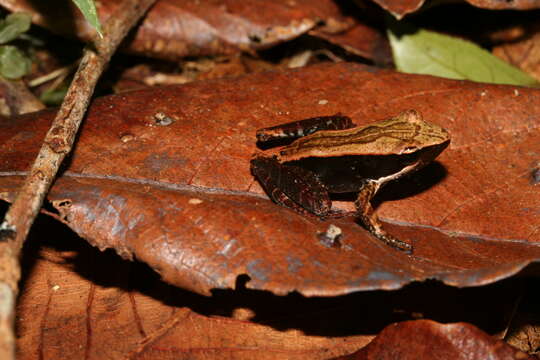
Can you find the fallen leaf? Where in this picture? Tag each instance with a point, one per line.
(362, 40)
(522, 329)
(400, 8)
(510, 5)
(173, 29)
(523, 53)
(525, 335)
(420, 51)
(79, 303)
(424, 339)
(163, 175)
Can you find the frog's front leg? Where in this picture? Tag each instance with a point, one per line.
(292, 186)
(370, 219)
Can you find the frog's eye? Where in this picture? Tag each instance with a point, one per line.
(409, 150)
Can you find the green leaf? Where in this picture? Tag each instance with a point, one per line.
(13, 62)
(54, 97)
(14, 25)
(88, 9)
(420, 51)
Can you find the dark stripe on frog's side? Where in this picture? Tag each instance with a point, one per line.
(342, 174)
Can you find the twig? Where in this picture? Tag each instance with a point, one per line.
(61, 72)
(57, 144)
(18, 99)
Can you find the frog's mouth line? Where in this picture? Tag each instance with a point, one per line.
(406, 170)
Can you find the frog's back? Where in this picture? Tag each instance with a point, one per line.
(402, 134)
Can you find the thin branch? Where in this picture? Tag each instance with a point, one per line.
(58, 73)
(57, 144)
(18, 99)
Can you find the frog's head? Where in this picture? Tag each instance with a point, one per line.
(408, 133)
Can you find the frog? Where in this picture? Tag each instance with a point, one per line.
(331, 155)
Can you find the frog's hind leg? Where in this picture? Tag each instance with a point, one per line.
(291, 186)
(371, 220)
(296, 129)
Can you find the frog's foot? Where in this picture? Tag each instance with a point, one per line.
(373, 225)
(393, 242)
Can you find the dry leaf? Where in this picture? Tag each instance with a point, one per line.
(361, 40)
(79, 303)
(176, 28)
(400, 8)
(524, 53)
(163, 175)
(424, 339)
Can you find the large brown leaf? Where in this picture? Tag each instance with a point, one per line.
(181, 198)
(77, 302)
(424, 339)
(400, 8)
(176, 28)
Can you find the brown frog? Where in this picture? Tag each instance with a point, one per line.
(332, 155)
